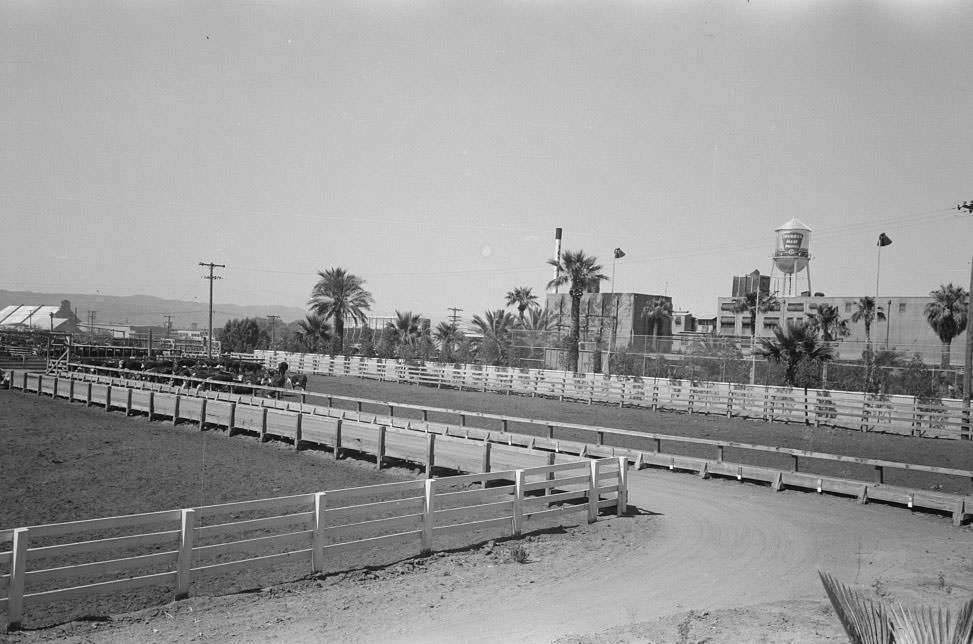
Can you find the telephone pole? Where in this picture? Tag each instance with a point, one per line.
(273, 328)
(454, 318)
(968, 361)
(211, 277)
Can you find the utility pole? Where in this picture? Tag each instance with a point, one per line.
(968, 361)
(211, 277)
(273, 328)
(454, 318)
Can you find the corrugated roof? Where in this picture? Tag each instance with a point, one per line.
(37, 317)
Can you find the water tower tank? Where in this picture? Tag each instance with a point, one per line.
(792, 252)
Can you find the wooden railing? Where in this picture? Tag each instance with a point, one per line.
(59, 562)
(905, 415)
(463, 447)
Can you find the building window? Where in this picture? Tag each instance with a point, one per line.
(901, 308)
(848, 306)
(727, 306)
(799, 306)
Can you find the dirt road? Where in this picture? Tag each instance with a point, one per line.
(742, 558)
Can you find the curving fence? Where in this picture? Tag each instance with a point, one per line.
(905, 415)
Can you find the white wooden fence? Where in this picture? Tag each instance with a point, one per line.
(58, 562)
(854, 410)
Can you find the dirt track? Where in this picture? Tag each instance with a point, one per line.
(730, 553)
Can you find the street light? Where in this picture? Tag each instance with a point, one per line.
(618, 253)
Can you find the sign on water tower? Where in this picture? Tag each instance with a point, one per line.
(792, 254)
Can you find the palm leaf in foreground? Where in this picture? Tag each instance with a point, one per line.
(865, 621)
(929, 625)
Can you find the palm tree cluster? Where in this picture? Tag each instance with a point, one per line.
(795, 346)
(583, 273)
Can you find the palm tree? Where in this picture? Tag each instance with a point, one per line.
(828, 321)
(338, 295)
(583, 273)
(407, 327)
(314, 332)
(866, 311)
(656, 312)
(947, 314)
(791, 346)
(523, 298)
(537, 319)
(447, 334)
(754, 303)
(496, 327)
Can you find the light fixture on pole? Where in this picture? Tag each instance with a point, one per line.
(883, 241)
(618, 253)
(968, 355)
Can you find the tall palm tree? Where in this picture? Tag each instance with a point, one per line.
(496, 327)
(583, 273)
(828, 321)
(947, 314)
(866, 312)
(523, 298)
(314, 332)
(791, 346)
(338, 295)
(447, 334)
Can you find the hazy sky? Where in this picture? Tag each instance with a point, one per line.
(433, 147)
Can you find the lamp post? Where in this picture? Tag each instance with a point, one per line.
(883, 240)
(968, 358)
(618, 253)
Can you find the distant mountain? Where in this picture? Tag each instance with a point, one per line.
(149, 310)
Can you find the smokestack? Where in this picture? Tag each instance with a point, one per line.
(557, 253)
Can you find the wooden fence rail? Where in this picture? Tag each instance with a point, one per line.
(468, 448)
(177, 547)
(905, 415)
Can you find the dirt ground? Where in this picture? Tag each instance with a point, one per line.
(694, 561)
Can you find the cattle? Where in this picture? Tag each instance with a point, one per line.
(297, 381)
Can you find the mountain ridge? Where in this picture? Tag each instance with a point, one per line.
(141, 310)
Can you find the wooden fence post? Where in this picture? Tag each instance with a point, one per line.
(175, 410)
(71, 389)
(56, 381)
(337, 440)
(622, 507)
(428, 515)
(18, 571)
(298, 430)
(184, 562)
(151, 404)
(128, 401)
(23, 388)
(550, 431)
(380, 451)
(263, 424)
(108, 397)
(485, 460)
(87, 398)
(202, 414)
(430, 454)
(593, 496)
(40, 385)
(317, 540)
(517, 522)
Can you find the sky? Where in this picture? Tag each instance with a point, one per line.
(432, 148)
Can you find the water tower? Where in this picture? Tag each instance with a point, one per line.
(792, 259)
